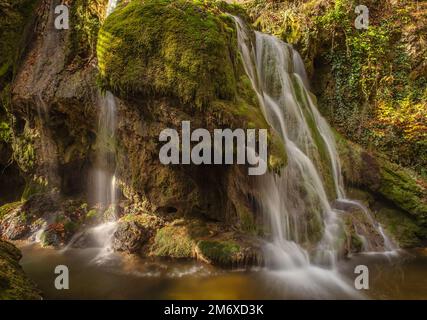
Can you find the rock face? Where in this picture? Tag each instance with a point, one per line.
(179, 71)
(14, 284)
(370, 84)
(397, 195)
(134, 232)
(165, 62)
(190, 72)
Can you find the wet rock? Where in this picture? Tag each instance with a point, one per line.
(134, 231)
(130, 236)
(84, 239)
(52, 236)
(14, 284)
(212, 243)
(234, 253)
(14, 224)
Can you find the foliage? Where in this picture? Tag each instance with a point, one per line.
(86, 18)
(5, 133)
(371, 84)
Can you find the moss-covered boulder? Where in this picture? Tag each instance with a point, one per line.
(174, 241)
(373, 171)
(174, 48)
(399, 195)
(405, 230)
(45, 217)
(220, 252)
(212, 243)
(134, 232)
(14, 284)
(174, 61)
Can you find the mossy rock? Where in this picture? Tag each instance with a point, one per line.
(372, 171)
(219, 252)
(33, 187)
(181, 49)
(8, 208)
(86, 18)
(173, 241)
(15, 15)
(14, 284)
(402, 227)
(135, 231)
(50, 237)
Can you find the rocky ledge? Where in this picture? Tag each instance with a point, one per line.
(14, 284)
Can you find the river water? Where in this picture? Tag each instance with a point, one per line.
(131, 277)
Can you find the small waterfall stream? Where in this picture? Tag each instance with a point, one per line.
(105, 179)
(305, 228)
(103, 183)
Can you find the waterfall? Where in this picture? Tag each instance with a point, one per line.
(112, 4)
(104, 179)
(306, 231)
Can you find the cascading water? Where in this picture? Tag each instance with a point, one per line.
(105, 179)
(112, 4)
(104, 190)
(304, 226)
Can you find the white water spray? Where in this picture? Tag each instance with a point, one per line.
(105, 188)
(296, 202)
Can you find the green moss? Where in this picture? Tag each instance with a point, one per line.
(92, 213)
(7, 208)
(373, 171)
(23, 146)
(5, 132)
(33, 187)
(219, 252)
(49, 237)
(173, 241)
(324, 162)
(179, 48)
(247, 222)
(71, 226)
(14, 284)
(356, 243)
(402, 227)
(400, 186)
(148, 221)
(86, 18)
(15, 15)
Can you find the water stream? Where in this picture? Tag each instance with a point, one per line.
(302, 206)
(130, 277)
(305, 228)
(103, 184)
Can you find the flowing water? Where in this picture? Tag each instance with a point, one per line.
(129, 277)
(300, 206)
(104, 189)
(305, 228)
